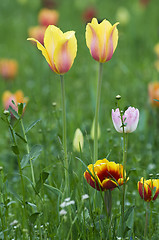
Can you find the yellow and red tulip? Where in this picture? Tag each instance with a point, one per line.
(59, 49)
(17, 97)
(101, 39)
(8, 68)
(48, 17)
(148, 189)
(104, 175)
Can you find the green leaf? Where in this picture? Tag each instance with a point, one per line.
(20, 108)
(15, 114)
(41, 181)
(35, 152)
(32, 205)
(128, 212)
(53, 189)
(33, 217)
(24, 160)
(21, 137)
(15, 150)
(32, 125)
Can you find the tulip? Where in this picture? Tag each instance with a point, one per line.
(153, 90)
(156, 49)
(156, 64)
(148, 189)
(48, 17)
(59, 49)
(17, 97)
(104, 175)
(8, 68)
(37, 32)
(144, 3)
(78, 140)
(89, 13)
(101, 39)
(130, 120)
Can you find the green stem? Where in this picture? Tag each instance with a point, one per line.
(22, 181)
(64, 132)
(124, 183)
(146, 220)
(28, 151)
(97, 112)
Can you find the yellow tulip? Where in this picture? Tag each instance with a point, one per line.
(101, 39)
(59, 48)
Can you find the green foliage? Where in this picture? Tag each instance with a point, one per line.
(35, 212)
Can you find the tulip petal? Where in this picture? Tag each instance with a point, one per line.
(51, 38)
(112, 42)
(109, 184)
(92, 39)
(65, 52)
(43, 50)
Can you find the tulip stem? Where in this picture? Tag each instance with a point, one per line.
(125, 138)
(64, 132)
(97, 112)
(146, 220)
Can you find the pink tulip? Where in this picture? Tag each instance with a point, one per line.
(130, 120)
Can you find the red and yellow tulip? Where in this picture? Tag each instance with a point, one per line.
(48, 17)
(17, 97)
(153, 90)
(37, 32)
(8, 68)
(104, 175)
(101, 39)
(59, 49)
(148, 189)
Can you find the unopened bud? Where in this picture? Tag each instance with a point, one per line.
(118, 97)
(54, 104)
(1, 168)
(6, 112)
(151, 175)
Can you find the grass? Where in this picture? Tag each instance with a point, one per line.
(128, 74)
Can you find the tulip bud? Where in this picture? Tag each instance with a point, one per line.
(78, 141)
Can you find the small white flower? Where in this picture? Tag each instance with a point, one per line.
(151, 166)
(85, 196)
(62, 212)
(62, 205)
(14, 223)
(72, 202)
(67, 199)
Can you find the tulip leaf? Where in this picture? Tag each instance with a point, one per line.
(32, 125)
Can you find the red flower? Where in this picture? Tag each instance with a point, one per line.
(146, 188)
(104, 175)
